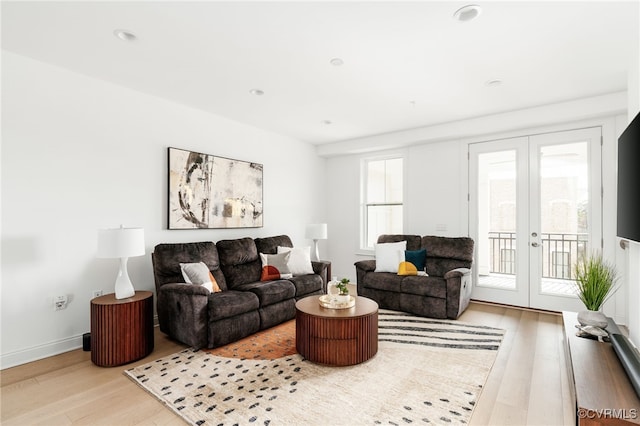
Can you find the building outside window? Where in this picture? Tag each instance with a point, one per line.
(382, 209)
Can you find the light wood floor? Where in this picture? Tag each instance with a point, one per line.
(528, 384)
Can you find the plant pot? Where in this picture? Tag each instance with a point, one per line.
(342, 298)
(594, 318)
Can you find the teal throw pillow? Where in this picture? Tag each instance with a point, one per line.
(417, 257)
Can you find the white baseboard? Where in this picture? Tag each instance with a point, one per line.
(35, 353)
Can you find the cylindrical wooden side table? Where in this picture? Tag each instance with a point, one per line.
(121, 329)
(337, 336)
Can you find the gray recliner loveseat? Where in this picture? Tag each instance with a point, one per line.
(444, 293)
(193, 315)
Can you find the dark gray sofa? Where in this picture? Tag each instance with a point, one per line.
(193, 315)
(444, 293)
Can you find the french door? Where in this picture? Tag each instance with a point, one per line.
(535, 207)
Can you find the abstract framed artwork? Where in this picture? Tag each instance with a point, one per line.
(207, 191)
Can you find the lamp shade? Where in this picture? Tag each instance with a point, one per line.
(120, 242)
(316, 231)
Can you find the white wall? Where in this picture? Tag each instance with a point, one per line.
(343, 215)
(79, 154)
(436, 189)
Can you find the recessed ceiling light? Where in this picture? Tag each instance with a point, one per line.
(125, 35)
(336, 62)
(493, 83)
(467, 13)
(256, 92)
(327, 122)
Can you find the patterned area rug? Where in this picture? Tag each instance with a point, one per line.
(425, 371)
(275, 342)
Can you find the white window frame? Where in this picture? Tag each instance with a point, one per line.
(364, 180)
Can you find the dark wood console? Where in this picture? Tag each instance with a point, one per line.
(601, 390)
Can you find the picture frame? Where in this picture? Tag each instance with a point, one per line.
(211, 192)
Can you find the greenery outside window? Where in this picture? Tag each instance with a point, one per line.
(382, 208)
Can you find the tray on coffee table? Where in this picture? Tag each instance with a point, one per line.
(330, 301)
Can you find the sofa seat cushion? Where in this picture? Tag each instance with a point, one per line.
(230, 303)
(387, 281)
(306, 284)
(270, 292)
(424, 286)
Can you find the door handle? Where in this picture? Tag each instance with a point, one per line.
(535, 244)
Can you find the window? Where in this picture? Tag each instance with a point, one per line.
(382, 199)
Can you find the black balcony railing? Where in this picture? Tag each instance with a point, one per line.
(560, 251)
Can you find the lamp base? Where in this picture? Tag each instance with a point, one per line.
(124, 288)
(315, 250)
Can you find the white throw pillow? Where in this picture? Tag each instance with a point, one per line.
(389, 256)
(275, 266)
(299, 261)
(199, 274)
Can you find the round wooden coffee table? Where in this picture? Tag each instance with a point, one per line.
(337, 336)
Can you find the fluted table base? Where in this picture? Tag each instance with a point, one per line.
(337, 336)
(121, 329)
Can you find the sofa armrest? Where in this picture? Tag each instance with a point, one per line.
(321, 267)
(183, 313)
(458, 272)
(458, 291)
(363, 267)
(366, 265)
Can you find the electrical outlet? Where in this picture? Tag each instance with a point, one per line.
(96, 293)
(60, 302)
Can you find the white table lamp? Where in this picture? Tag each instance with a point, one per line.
(315, 232)
(121, 243)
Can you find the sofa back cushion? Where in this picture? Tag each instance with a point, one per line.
(413, 241)
(167, 258)
(269, 245)
(446, 253)
(239, 261)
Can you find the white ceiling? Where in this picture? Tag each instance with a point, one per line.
(406, 64)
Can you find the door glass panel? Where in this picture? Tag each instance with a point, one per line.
(497, 219)
(564, 204)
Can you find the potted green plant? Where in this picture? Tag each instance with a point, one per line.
(343, 290)
(596, 282)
